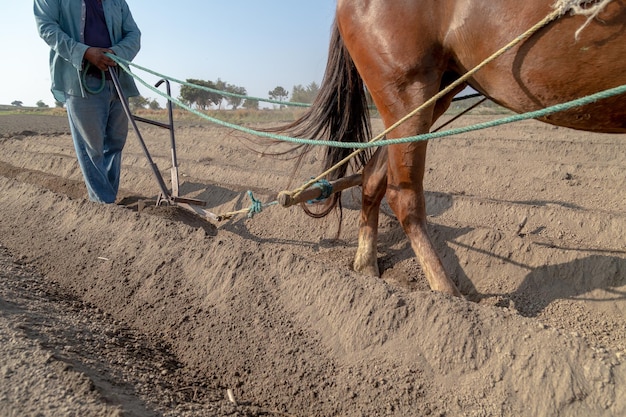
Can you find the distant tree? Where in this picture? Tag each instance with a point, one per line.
(17, 103)
(137, 103)
(221, 86)
(306, 94)
(41, 104)
(154, 105)
(279, 93)
(188, 94)
(203, 99)
(235, 102)
(298, 94)
(251, 104)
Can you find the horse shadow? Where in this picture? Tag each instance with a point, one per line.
(573, 280)
(601, 270)
(543, 285)
(540, 287)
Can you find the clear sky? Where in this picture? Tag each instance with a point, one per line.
(256, 44)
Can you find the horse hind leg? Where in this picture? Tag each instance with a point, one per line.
(405, 188)
(406, 197)
(390, 173)
(408, 202)
(398, 172)
(374, 186)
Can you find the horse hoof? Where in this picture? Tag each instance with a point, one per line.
(369, 270)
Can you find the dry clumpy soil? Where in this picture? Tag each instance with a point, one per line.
(137, 310)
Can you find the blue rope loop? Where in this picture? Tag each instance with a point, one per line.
(256, 206)
(103, 80)
(327, 190)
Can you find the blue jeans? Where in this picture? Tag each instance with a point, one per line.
(99, 129)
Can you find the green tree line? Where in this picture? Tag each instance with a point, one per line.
(203, 99)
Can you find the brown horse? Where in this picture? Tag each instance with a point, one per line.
(406, 51)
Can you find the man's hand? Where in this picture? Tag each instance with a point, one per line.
(97, 57)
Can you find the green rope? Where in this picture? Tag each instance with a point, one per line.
(256, 206)
(103, 80)
(423, 137)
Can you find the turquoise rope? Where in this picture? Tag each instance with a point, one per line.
(103, 81)
(326, 190)
(256, 206)
(423, 137)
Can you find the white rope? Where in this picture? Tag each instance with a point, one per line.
(589, 8)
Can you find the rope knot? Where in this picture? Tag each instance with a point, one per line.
(256, 206)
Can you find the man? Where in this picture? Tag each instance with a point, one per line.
(79, 33)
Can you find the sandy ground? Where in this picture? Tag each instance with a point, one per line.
(136, 310)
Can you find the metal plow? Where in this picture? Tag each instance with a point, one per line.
(166, 197)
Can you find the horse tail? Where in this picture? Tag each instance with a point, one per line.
(339, 112)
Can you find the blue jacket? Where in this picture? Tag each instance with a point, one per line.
(61, 24)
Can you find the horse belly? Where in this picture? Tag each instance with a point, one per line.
(555, 65)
